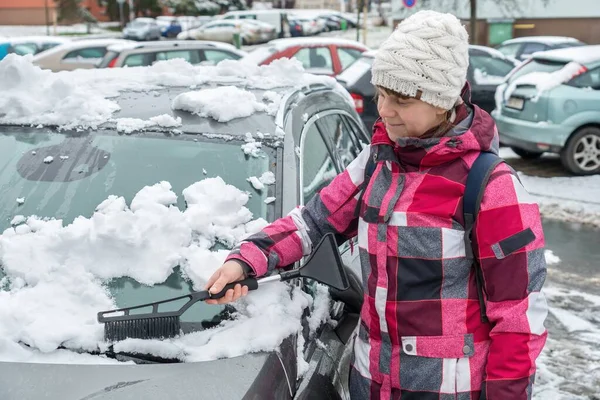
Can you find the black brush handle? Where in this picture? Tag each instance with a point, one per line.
(252, 284)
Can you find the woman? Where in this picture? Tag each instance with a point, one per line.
(421, 335)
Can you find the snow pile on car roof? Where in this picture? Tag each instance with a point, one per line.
(55, 276)
(82, 98)
(545, 81)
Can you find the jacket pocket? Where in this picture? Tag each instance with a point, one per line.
(457, 346)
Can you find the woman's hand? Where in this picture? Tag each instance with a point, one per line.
(229, 272)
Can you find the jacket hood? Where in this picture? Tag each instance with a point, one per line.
(475, 133)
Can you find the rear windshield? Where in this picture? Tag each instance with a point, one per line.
(536, 65)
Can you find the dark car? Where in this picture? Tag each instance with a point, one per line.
(522, 48)
(319, 134)
(487, 70)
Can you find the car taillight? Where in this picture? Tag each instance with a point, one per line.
(359, 103)
(112, 63)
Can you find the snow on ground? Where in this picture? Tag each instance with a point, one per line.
(569, 366)
(573, 198)
(81, 98)
(55, 275)
(32, 30)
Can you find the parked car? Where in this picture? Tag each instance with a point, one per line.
(266, 31)
(310, 25)
(144, 54)
(487, 69)
(142, 29)
(169, 28)
(522, 48)
(29, 44)
(296, 29)
(223, 30)
(325, 56)
(276, 18)
(551, 103)
(314, 120)
(76, 54)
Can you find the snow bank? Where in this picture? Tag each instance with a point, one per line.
(55, 275)
(545, 81)
(82, 98)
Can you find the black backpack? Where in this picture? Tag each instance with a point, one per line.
(478, 177)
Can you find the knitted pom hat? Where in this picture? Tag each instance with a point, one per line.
(428, 52)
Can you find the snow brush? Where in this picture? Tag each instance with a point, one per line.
(324, 265)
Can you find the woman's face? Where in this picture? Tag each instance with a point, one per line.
(407, 116)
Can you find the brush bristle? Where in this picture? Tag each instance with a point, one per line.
(146, 328)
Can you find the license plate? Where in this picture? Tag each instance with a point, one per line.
(515, 102)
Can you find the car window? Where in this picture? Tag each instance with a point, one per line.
(510, 50)
(337, 130)
(348, 56)
(318, 166)
(91, 52)
(47, 46)
(485, 66)
(530, 48)
(135, 60)
(315, 58)
(23, 48)
(588, 80)
(170, 55)
(216, 56)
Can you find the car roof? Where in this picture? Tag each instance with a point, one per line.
(584, 55)
(281, 44)
(541, 39)
(38, 39)
(170, 44)
(78, 44)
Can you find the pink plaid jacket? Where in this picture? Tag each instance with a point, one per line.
(420, 335)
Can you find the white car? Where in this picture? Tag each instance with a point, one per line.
(75, 55)
(223, 30)
(142, 29)
(522, 48)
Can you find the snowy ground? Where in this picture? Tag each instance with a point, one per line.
(571, 198)
(36, 30)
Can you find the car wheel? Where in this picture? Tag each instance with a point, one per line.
(581, 155)
(527, 155)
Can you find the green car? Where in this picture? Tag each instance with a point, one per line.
(551, 103)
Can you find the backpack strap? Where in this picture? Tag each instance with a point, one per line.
(477, 180)
(369, 171)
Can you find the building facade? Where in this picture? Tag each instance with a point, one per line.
(499, 20)
(27, 12)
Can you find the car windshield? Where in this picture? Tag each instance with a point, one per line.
(537, 65)
(69, 174)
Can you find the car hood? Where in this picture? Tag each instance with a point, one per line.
(211, 379)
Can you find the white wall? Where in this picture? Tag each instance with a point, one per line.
(491, 9)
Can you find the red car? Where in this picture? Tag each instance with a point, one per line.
(324, 56)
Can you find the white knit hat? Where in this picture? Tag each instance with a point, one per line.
(428, 51)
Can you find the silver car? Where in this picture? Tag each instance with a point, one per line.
(145, 54)
(75, 55)
(142, 29)
(223, 31)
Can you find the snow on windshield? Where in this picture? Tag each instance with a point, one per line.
(54, 275)
(82, 98)
(545, 81)
(482, 78)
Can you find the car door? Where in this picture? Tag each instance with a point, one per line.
(330, 141)
(190, 56)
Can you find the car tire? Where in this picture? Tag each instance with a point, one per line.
(527, 155)
(581, 155)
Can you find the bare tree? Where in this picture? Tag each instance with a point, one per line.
(507, 7)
